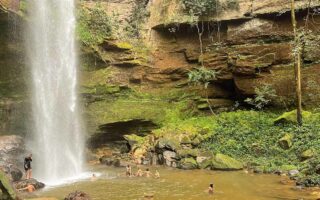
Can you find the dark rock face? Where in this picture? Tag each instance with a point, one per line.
(114, 132)
(77, 195)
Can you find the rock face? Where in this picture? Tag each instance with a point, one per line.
(11, 156)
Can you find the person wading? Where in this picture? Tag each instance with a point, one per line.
(27, 166)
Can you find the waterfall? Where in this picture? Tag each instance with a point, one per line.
(57, 143)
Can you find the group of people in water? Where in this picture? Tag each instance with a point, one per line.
(128, 173)
(140, 173)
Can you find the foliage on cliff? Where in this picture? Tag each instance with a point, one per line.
(94, 25)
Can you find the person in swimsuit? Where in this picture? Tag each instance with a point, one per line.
(27, 166)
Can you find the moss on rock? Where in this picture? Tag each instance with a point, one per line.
(291, 117)
(135, 140)
(187, 153)
(8, 191)
(286, 141)
(188, 163)
(224, 162)
(307, 154)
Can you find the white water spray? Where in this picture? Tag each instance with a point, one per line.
(57, 144)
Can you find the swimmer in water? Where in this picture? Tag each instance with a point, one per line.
(147, 173)
(94, 177)
(139, 173)
(210, 189)
(157, 174)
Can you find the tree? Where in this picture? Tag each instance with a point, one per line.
(203, 76)
(263, 97)
(297, 63)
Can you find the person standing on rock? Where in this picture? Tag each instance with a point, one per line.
(27, 166)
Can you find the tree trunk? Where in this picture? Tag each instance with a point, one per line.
(297, 64)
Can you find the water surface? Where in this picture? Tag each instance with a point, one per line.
(181, 185)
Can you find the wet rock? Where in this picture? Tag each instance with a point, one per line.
(7, 192)
(293, 172)
(24, 183)
(286, 141)
(170, 158)
(77, 195)
(224, 162)
(307, 154)
(188, 163)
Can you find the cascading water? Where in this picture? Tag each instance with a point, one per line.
(57, 144)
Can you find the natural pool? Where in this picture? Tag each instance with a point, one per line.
(180, 185)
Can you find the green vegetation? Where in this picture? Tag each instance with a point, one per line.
(263, 97)
(208, 7)
(251, 137)
(200, 7)
(94, 25)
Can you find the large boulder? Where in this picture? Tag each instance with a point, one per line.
(7, 192)
(291, 117)
(224, 162)
(77, 195)
(286, 141)
(170, 158)
(164, 144)
(188, 163)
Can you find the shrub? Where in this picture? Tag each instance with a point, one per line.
(94, 25)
